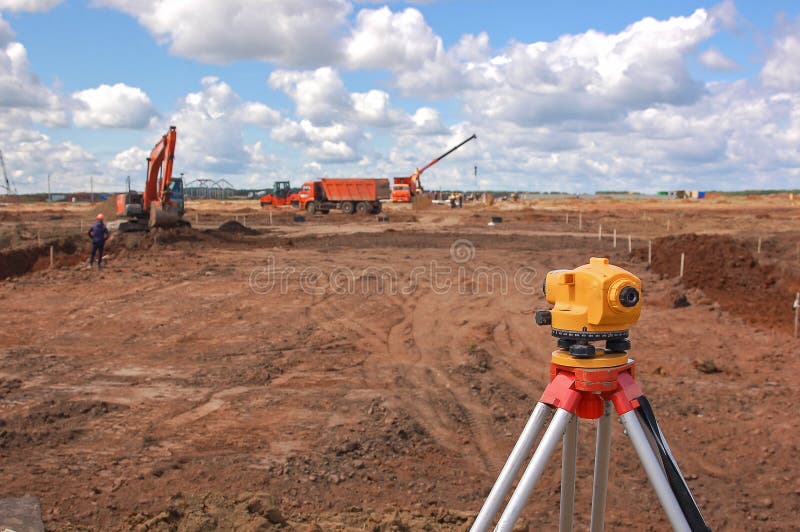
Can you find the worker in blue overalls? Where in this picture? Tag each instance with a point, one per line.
(99, 234)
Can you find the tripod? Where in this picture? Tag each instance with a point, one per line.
(588, 388)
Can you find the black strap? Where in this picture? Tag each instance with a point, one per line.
(676, 480)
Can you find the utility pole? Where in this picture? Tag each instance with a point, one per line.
(91, 186)
(477, 185)
(7, 183)
(49, 195)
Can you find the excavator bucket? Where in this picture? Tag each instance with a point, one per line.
(163, 215)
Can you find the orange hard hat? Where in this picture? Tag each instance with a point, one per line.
(100, 216)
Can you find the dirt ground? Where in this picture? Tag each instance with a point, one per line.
(258, 372)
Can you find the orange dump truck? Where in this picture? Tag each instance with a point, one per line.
(348, 195)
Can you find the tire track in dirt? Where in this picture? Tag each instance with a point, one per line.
(501, 338)
(418, 335)
(408, 362)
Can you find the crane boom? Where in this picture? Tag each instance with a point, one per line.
(415, 182)
(445, 154)
(7, 182)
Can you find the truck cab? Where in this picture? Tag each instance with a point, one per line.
(306, 194)
(401, 193)
(403, 189)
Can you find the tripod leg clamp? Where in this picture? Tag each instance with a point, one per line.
(625, 398)
(561, 393)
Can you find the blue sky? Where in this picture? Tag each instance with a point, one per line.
(573, 96)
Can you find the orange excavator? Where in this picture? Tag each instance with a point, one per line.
(404, 188)
(161, 204)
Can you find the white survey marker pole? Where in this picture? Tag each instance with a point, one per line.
(796, 307)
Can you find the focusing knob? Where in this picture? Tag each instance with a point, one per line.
(543, 317)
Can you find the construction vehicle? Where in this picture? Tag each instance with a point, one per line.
(280, 196)
(161, 204)
(6, 182)
(362, 196)
(405, 188)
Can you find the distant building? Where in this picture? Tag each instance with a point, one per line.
(685, 194)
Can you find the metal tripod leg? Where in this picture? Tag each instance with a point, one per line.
(534, 470)
(653, 468)
(601, 459)
(512, 466)
(569, 456)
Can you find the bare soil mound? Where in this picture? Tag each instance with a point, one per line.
(725, 270)
(229, 235)
(232, 226)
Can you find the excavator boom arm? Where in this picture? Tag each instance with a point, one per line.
(159, 164)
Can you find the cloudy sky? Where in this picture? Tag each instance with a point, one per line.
(570, 95)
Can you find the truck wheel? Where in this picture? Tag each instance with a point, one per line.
(377, 208)
(362, 208)
(347, 207)
(311, 207)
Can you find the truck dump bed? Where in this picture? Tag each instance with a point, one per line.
(356, 189)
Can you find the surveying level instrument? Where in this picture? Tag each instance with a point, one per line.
(594, 302)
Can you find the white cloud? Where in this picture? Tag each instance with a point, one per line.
(730, 138)
(405, 44)
(782, 68)
(373, 108)
(581, 112)
(28, 5)
(24, 99)
(725, 12)
(427, 121)
(258, 114)
(332, 122)
(398, 41)
(211, 127)
(25, 102)
(318, 94)
(716, 60)
(472, 47)
(130, 161)
(332, 151)
(331, 143)
(19, 86)
(30, 156)
(210, 137)
(116, 106)
(290, 32)
(321, 97)
(592, 75)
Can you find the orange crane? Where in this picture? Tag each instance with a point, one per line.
(404, 188)
(161, 204)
